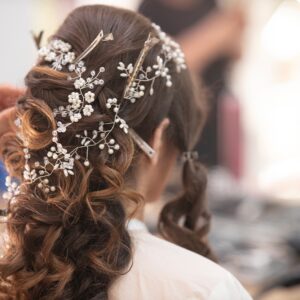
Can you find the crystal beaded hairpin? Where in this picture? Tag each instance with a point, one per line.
(134, 74)
(139, 75)
(80, 105)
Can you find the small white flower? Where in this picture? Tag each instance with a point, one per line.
(89, 97)
(88, 110)
(75, 118)
(73, 96)
(51, 56)
(71, 67)
(79, 83)
(74, 99)
(43, 51)
(65, 47)
(61, 128)
(69, 57)
(56, 44)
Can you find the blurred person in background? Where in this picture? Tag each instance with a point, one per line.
(211, 39)
(75, 225)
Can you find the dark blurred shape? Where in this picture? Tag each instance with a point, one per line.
(174, 21)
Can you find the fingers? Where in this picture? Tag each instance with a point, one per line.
(9, 96)
(7, 118)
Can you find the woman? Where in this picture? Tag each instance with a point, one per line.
(106, 112)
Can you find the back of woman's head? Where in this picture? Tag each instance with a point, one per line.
(69, 240)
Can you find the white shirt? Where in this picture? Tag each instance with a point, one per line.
(162, 270)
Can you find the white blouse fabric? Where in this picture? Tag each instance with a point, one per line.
(162, 270)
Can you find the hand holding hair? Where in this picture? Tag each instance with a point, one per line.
(9, 96)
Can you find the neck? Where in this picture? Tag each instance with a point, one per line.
(139, 214)
(135, 210)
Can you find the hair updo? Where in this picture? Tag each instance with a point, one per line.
(72, 244)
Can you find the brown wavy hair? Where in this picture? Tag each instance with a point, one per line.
(73, 243)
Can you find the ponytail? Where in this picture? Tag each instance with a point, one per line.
(185, 220)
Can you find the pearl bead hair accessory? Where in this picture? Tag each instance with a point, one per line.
(12, 189)
(80, 105)
(80, 101)
(139, 75)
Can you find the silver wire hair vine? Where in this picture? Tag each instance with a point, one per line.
(80, 101)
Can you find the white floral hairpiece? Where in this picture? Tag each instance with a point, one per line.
(138, 75)
(80, 105)
(13, 189)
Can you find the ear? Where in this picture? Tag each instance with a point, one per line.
(157, 139)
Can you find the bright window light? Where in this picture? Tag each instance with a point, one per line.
(280, 37)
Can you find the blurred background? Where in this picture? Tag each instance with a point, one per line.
(246, 56)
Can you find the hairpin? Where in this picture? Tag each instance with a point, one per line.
(145, 147)
(138, 75)
(59, 54)
(100, 37)
(149, 43)
(37, 38)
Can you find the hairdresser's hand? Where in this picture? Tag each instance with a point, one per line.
(8, 97)
(219, 35)
(227, 29)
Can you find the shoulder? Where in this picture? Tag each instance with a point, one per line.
(162, 270)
